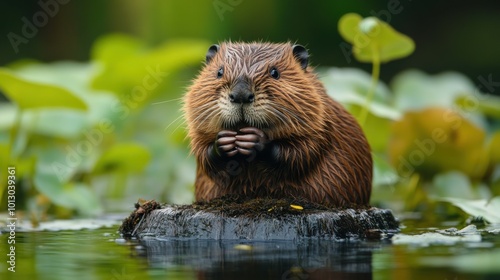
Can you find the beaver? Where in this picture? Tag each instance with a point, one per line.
(262, 126)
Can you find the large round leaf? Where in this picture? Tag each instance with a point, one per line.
(32, 95)
(373, 39)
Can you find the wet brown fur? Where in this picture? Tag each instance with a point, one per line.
(323, 154)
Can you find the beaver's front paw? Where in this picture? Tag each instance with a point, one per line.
(252, 139)
(225, 143)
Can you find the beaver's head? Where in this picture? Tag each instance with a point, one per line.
(263, 85)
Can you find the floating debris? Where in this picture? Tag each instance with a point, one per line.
(296, 207)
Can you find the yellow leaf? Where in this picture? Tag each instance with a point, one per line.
(437, 140)
(296, 207)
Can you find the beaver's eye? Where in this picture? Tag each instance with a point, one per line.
(274, 73)
(220, 72)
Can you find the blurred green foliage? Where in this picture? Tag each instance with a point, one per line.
(93, 136)
(430, 135)
(81, 134)
(427, 146)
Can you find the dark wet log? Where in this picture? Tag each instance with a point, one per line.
(257, 219)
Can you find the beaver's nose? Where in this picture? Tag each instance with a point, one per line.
(241, 96)
(242, 92)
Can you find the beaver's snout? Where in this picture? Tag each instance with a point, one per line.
(242, 91)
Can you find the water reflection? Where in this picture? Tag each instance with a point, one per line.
(103, 254)
(312, 259)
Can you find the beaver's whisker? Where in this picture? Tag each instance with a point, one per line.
(290, 113)
(176, 119)
(275, 113)
(167, 101)
(208, 116)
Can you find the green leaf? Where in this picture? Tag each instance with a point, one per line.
(373, 38)
(489, 210)
(349, 26)
(62, 122)
(377, 129)
(456, 185)
(123, 157)
(349, 87)
(82, 198)
(384, 173)
(416, 90)
(70, 195)
(54, 161)
(57, 123)
(131, 70)
(8, 113)
(32, 95)
(75, 77)
(344, 82)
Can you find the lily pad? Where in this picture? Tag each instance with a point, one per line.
(434, 238)
(373, 39)
(488, 210)
(448, 236)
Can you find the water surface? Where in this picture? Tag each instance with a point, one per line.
(103, 254)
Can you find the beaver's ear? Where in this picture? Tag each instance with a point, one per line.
(301, 55)
(212, 51)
